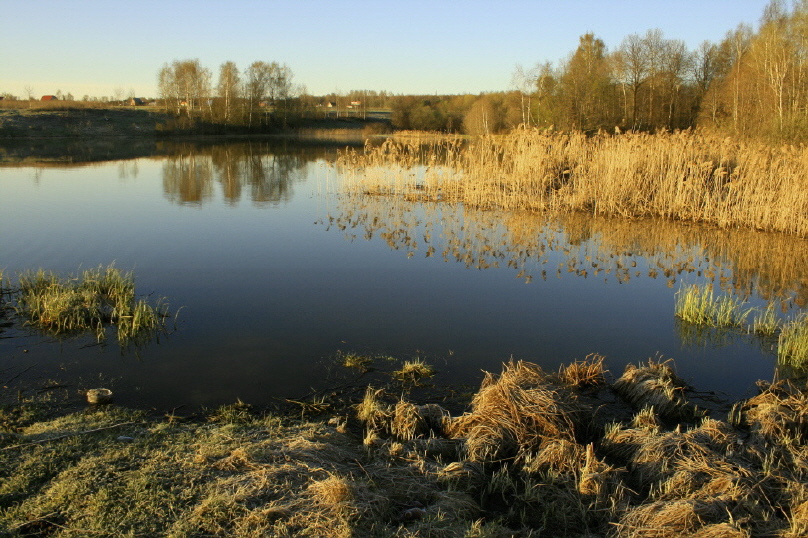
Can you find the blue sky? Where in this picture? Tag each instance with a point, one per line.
(416, 46)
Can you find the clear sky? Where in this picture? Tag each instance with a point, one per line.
(407, 46)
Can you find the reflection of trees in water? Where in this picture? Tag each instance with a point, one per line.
(744, 262)
(187, 178)
(267, 171)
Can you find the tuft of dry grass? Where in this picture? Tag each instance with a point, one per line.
(586, 373)
(656, 385)
(512, 414)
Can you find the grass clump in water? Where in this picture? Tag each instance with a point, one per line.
(90, 302)
(414, 372)
(792, 345)
(765, 322)
(363, 363)
(698, 305)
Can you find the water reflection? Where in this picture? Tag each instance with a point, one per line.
(749, 264)
(267, 172)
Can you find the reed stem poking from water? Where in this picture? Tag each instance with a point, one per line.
(697, 305)
(97, 298)
(683, 176)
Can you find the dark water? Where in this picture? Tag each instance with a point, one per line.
(276, 272)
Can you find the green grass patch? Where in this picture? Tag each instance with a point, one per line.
(707, 317)
(698, 305)
(90, 302)
(792, 345)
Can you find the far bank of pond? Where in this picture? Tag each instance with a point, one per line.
(55, 135)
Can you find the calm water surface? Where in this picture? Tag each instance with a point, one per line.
(276, 271)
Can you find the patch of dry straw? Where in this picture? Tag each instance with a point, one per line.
(656, 385)
(514, 413)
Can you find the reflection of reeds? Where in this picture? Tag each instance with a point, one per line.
(739, 261)
(88, 303)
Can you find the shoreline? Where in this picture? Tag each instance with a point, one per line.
(532, 451)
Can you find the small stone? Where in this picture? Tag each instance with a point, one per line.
(125, 439)
(99, 396)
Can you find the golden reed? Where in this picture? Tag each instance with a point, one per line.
(690, 176)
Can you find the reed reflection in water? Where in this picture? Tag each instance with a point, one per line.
(762, 268)
(746, 263)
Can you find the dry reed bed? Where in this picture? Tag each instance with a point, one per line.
(533, 448)
(683, 176)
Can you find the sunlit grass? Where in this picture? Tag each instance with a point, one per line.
(89, 302)
(414, 371)
(700, 309)
(792, 345)
(529, 451)
(699, 305)
(765, 322)
(363, 363)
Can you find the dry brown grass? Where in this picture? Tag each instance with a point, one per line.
(528, 454)
(683, 176)
(238, 474)
(779, 412)
(55, 105)
(512, 414)
(586, 373)
(658, 386)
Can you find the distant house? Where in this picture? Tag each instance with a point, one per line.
(356, 103)
(49, 98)
(136, 101)
(331, 104)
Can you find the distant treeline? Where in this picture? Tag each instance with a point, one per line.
(750, 84)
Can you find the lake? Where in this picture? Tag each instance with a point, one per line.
(275, 269)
